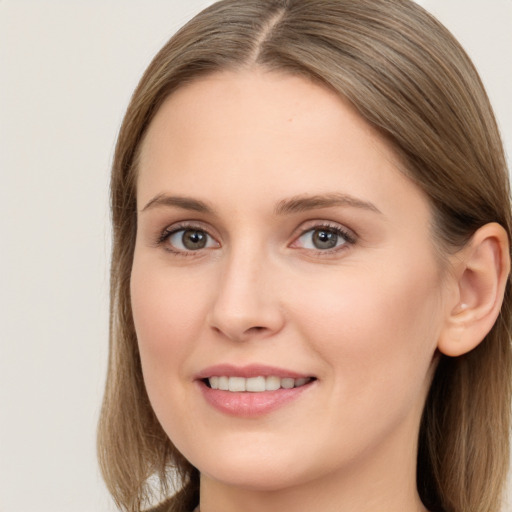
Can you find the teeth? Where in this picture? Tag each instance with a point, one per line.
(287, 383)
(272, 383)
(236, 384)
(224, 383)
(255, 384)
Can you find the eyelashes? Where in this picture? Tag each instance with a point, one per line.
(189, 239)
(186, 239)
(324, 238)
(321, 238)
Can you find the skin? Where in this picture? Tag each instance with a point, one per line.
(364, 319)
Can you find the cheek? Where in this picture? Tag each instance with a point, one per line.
(166, 309)
(377, 329)
(165, 304)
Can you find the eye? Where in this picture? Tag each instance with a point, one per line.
(188, 239)
(324, 238)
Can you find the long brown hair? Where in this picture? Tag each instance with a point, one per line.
(409, 78)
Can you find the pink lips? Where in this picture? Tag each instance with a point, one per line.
(253, 370)
(249, 404)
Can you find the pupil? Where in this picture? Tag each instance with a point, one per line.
(193, 239)
(323, 239)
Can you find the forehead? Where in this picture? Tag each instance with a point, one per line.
(238, 134)
(254, 103)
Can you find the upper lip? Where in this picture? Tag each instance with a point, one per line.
(252, 370)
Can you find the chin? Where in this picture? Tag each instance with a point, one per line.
(255, 477)
(256, 470)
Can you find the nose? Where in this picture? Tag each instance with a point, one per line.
(246, 303)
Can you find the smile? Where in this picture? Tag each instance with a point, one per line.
(257, 384)
(252, 391)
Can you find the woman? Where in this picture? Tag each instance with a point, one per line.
(310, 296)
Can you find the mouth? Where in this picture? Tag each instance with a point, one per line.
(258, 384)
(252, 391)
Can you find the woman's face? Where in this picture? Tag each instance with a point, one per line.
(279, 245)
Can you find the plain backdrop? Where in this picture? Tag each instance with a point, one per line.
(67, 70)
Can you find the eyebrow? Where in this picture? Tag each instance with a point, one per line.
(296, 204)
(185, 203)
(303, 203)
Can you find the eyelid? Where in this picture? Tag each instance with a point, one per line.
(172, 229)
(347, 234)
(323, 223)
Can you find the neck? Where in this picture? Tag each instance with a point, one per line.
(305, 498)
(383, 481)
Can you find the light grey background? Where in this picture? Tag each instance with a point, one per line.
(67, 70)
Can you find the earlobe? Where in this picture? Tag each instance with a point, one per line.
(481, 272)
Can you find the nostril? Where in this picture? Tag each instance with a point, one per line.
(256, 328)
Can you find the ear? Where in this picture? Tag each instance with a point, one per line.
(480, 273)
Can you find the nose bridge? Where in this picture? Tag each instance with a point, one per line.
(245, 303)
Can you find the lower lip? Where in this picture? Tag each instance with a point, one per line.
(248, 404)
